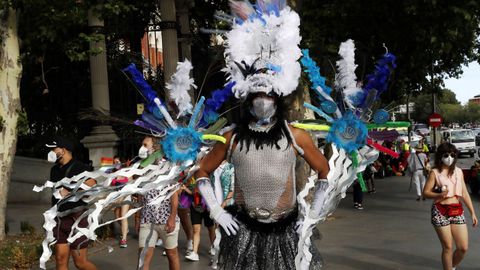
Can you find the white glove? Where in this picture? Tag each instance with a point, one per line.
(319, 197)
(227, 221)
(222, 217)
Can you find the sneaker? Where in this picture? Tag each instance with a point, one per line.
(212, 251)
(213, 264)
(359, 206)
(190, 245)
(164, 253)
(189, 248)
(193, 256)
(123, 243)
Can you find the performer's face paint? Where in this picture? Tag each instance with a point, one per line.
(263, 107)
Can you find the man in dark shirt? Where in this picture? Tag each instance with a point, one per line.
(67, 166)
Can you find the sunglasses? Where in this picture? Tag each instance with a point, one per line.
(446, 155)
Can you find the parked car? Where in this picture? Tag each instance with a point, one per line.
(414, 138)
(421, 129)
(463, 139)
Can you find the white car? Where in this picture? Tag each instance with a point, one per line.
(413, 137)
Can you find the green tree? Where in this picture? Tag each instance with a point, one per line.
(423, 105)
(431, 38)
(447, 96)
(452, 113)
(49, 32)
(472, 113)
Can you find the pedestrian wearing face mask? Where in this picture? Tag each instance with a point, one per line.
(447, 187)
(67, 166)
(157, 221)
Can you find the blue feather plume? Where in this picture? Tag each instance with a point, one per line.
(145, 89)
(214, 103)
(379, 79)
(153, 121)
(313, 72)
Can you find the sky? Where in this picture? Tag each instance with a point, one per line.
(468, 85)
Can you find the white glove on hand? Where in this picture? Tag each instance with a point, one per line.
(222, 217)
(319, 197)
(228, 222)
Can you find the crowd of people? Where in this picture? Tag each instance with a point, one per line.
(188, 209)
(243, 188)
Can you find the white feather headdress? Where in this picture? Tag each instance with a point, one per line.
(262, 49)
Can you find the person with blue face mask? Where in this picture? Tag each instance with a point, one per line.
(447, 187)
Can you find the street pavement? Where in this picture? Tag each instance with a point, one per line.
(392, 232)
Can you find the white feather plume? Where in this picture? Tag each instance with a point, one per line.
(179, 86)
(272, 41)
(346, 78)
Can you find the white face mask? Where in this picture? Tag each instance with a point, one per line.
(263, 108)
(52, 157)
(448, 161)
(143, 152)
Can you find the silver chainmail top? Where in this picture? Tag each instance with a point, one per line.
(265, 179)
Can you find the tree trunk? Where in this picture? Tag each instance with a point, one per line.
(10, 73)
(298, 112)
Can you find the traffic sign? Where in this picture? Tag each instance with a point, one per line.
(435, 120)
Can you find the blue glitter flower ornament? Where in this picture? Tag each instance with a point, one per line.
(348, 132)
(328, 106)
(381, 117)
(182, 144)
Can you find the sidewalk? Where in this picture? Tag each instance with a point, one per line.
(392, 232)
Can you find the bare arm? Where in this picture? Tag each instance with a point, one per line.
(227, 199)
(207, 165)
(312, 154)
(170, 226)
(186, 189)
(213, 159)
(89, 182)
(468, 201)
(428, 189)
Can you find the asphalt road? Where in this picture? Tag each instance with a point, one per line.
(392, 232)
